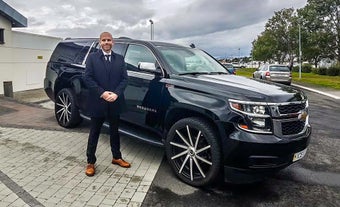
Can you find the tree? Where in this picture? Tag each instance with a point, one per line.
(279, 40)
(264, 47)
(320, 21)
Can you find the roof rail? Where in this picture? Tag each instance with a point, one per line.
(124, 38)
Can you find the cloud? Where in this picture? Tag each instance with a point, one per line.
(217, 26)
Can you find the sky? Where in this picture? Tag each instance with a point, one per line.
(223, 28)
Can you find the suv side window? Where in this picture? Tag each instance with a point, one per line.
(119, 48)
(136, 54)
(71, 52)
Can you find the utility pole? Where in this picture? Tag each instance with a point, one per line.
(300, 52)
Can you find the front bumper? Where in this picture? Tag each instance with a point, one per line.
(263, 155)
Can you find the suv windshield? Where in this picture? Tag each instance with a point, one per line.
(190, 61)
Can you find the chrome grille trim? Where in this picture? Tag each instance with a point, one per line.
(290, 115)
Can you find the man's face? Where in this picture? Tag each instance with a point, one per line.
(106, 41)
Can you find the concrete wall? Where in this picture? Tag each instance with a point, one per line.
(23, 58)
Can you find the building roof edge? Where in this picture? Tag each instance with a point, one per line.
(16, 19)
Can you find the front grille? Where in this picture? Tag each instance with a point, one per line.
(291, 108)
(292, 127)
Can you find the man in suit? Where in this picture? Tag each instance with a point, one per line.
(106, 78)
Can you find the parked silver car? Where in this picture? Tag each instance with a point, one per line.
(274, 72)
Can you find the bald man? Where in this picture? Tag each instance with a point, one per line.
(106, 78)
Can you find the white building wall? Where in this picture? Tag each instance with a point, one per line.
(23, 58)
(30, 54)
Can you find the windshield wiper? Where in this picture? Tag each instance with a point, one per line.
(202, 73)
(213, 73)
(194, 73)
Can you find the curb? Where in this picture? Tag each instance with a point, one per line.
(317, 91)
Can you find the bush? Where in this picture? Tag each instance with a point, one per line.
(320, 71)
(315, 70)
(333, 71)
(306, 68)
(295, 69)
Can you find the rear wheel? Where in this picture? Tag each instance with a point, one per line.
(66, 110)
(193, 151)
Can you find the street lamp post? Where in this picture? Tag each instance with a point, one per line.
(152, 29)
(300, 52)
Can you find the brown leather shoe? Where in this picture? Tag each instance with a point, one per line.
(90, 170)
(121, 163)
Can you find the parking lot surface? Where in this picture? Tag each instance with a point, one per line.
(42, 164)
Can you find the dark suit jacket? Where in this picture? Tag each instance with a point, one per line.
(101, 76)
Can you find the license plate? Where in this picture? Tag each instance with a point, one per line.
(299, 155)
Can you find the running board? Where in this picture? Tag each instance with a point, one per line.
(134, 132)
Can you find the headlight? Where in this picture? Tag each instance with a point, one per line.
(256, 116)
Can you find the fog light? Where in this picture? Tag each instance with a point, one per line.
(258, 122)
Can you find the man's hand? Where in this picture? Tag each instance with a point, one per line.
(109, 96)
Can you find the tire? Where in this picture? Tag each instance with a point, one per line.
(197, 166)
(66, 110)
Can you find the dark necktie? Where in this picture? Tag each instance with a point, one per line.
(107, 58)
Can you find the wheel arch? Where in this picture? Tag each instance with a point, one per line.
(185, 111)
(222, 129)
(72, 82)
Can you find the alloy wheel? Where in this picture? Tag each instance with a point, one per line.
(66, 110)
(193, 151)
(63, 110)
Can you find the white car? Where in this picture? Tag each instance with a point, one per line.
(238, 65)
(275, 73)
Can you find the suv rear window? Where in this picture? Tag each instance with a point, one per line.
(71, 52)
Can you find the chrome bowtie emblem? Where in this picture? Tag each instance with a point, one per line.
(303, 116)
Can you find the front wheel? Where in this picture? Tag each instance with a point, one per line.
(66, 110)
(193, 151)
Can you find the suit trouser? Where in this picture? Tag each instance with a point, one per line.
(96, 125)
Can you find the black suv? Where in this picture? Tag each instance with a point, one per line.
(210, 122)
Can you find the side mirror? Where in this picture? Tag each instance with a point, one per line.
(146, 66)
(149, 67)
